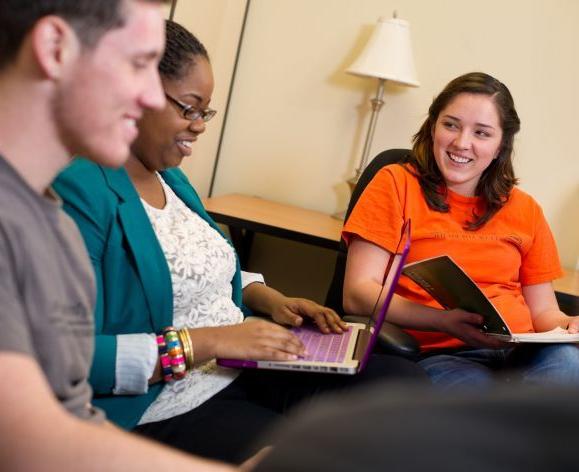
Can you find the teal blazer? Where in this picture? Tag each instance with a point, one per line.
(134, 291)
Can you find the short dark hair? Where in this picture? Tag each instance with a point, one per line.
(89, 18)
(181, 49)
(498, 179)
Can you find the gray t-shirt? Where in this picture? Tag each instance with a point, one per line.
(47, 291)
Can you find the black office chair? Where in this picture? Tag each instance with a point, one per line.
(391, 339)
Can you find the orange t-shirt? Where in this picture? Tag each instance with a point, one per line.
(515, 248)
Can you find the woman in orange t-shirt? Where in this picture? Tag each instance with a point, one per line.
(458, 187)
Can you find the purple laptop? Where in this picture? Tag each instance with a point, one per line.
(346, 353)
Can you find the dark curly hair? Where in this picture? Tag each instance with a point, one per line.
(181, 49)
(498, 179)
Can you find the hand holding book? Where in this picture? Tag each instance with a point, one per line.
(466, 326)
(573, 327)
(450, 286)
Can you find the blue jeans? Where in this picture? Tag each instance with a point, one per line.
(539, 364)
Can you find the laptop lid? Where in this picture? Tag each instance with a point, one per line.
(391, 275)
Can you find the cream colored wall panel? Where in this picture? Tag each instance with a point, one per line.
(167, 8)
(297, 121)
(217, 23)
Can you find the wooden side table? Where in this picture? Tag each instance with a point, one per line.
(246, 215)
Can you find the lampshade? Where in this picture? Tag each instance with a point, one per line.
(388, 54)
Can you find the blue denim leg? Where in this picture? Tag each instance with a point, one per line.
(550, 364)
(467, 369)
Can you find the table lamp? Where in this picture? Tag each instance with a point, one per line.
(387, 56)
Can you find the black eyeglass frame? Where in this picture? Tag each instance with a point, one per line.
(189, 112)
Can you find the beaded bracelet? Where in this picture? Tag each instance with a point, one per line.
(166, 370)
(175, 351)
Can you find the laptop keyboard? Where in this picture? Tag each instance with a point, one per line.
(323, 347)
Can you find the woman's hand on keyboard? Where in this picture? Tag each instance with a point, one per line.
(257, 340)
(292, 311)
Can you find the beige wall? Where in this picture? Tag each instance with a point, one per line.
(217, 24)
(297, 121)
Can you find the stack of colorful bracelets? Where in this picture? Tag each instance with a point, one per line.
(175, 353)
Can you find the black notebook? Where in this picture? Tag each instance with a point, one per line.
(450, 286)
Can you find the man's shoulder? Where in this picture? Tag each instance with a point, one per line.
(21, 207)
(12, 229)
(22, 230)
(14, 190)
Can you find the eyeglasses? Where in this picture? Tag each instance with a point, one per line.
(189, 112)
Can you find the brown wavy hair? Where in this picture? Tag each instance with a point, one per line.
(498, 179)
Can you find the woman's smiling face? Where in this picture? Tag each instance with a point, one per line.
(165, 137)
(466, 138)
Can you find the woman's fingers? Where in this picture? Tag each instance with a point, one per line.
(475, 337)
(329, 322)
(573, 325)
(272, 336)
(263, 340)
(272, 354)
(290, 318)
(337, 324)
(258, 340)
(325, 318)
(321, 322)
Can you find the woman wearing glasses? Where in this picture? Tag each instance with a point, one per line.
(161, 262)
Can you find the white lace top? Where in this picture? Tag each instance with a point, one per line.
(202, 264)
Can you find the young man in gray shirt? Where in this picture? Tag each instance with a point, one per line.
(75, 75)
